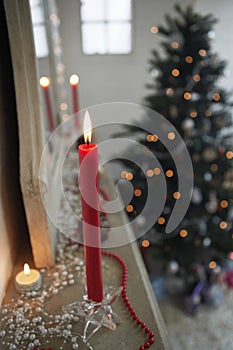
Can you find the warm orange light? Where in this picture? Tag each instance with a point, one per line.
(129, 208)
(44, 82)
(175, 45)
(212, 264)
(157, 171)
(154, 30)
(129, 176)
(183, 233)
(137, 192)
(187, 96)
(175, 72)
(150, 173)
(149, 138)
(53, 17)
(26, 269)
(171, 135)
(223, 225)
(63, 106)
(208, 113)
(145, 243)
(176, 195)
(74, 79)
(202, 52)
(193, 114)
(123, 174)
(188, 59)
(229, 154)
(224, 203)
(154, 138)
(214, 167)
(65, 117)
(87, 128)
(196, 77)
(169, 91)
(169, 173)
(216, 97)
(161, 220)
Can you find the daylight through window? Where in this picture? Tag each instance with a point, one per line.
(106, 26)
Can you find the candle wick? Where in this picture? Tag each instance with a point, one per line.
(88, 141)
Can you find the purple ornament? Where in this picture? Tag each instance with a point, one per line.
(229, 279)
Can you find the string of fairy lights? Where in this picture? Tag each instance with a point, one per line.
(188, 94)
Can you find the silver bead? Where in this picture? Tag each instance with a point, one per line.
(75, 346)
(12, 347)
(36, 342)
(71, 282)
(2, 333)
(32, 337)
(4, 311)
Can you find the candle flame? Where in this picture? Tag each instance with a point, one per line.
(87, 129)
(44, 82)
(74, 79)
(26, 269)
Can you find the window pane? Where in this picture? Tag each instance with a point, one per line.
(92, 10)
(94, 38)
(34, 3)
(37, 15)
(118, 10)
(40, 40)
(119, 38)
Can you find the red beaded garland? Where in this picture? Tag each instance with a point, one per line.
(135, 317)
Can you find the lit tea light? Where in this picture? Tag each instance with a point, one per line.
(28, 280)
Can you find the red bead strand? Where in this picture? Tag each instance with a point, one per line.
(128, 305)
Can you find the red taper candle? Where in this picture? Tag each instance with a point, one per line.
(88, 183)
(44, 83)
(74, 81)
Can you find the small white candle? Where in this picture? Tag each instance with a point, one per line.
(28, 280)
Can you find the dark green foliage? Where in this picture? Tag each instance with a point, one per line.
(203, 119)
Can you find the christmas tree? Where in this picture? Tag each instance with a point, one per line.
(185, 92)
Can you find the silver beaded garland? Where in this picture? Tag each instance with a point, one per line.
(26, 323)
